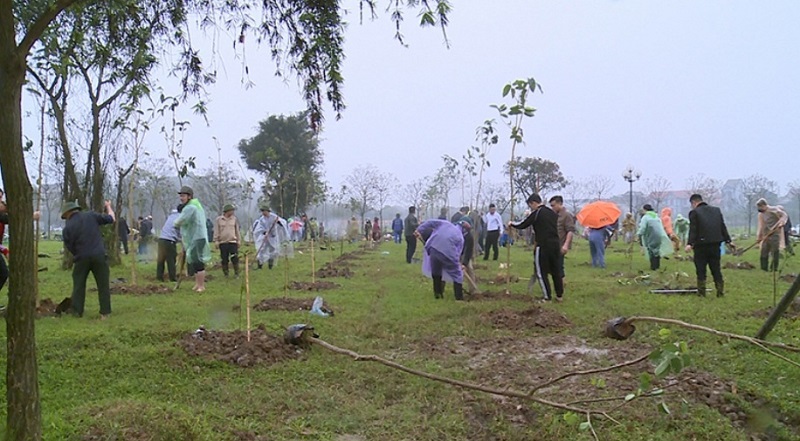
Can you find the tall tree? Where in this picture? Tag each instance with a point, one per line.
(360, 189)
(754, 187)
(794, 192)
(657, 189)
(305, 38)
(535, 175)
(387, 184)
(414, 192)
(487, 136)
(286, 152)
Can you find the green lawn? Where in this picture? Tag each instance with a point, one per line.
(127, 378)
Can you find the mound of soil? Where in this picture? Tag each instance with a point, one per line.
(496, 295)
(740, 265)
(686, 258)
(333, 270)
(501, 279)
(141, 290)
(789, 278)
(350, 256)
(308, 286)
(521, 320)
(792, 312)
(233, 347)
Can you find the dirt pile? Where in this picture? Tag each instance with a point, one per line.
(521, 320)
(308, 286)
(233, 347)
(790, 278)
(140, 290)
(288, 304)
(497, 295)
(739, 265)
(334, 270)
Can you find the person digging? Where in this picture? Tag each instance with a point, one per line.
(194, 236)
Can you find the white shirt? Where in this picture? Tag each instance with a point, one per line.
(493, 222)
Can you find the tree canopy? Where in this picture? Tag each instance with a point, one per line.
(536, 175)
(286, 152)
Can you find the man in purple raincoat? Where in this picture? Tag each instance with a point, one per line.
(441, 259)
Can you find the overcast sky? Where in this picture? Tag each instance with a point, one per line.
(674, 88)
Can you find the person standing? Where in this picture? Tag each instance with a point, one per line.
(443, 213)
(444, 243)
(367, 230)
(547, 253)
(467, 254)
(270, 232)
(397, 228)
(145, 231)
(376, 230)
(707, 231)
(598, 238)
(666, 221)
(787, 233)
(410, 225)
(82, 238)
(227, 237)
(566, 228)
(654, 239)
(494, 228)
(123, 231)
(770, 233)
(681, 229)
(167, 247)
(194, 236)
(628, 227)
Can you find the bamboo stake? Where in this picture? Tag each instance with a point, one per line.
(39, 205)
(313, 264)
(247, 291)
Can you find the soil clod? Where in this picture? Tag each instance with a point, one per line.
(315, 286)
(233, 347)
(521, 320)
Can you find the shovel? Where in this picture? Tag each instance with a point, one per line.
(758, 242)
(181, 266)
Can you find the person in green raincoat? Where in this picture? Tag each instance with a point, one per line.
(192, 223)
(653, 237)
(681, 226)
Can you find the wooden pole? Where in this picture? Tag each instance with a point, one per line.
(313, 264)
(778, 311)
(247, 291)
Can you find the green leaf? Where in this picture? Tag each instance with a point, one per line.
(663, 367)
(664, 333)
(677, 364)
(630, 397)
(572, 418)
(664, 408)
(645, 380)
(657, 392)
(506, 89)
(683, 347)
(585, 425)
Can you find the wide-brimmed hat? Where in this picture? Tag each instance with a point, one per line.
(227, 208)
(264, 208)
(68, 206)
(186, 190)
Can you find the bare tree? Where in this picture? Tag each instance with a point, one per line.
(705, 186)
(597, 186)
(574, 193)
(794, 192)
(754, 187)
(361, 189)
(657, 189)
(383, 191)
(414, 192)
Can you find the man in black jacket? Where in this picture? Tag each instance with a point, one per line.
(410, 226)
(547, 254)
(707, 231)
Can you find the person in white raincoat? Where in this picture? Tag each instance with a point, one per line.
(654, 239)
(271, 235)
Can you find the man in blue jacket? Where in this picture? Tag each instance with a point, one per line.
(397, 228)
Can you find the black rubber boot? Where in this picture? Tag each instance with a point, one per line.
(701, 288)
(458, 291)
(765, 263)
(270, 263)
(720, 288)
(236, 269)
(225, 269)
(438, 287)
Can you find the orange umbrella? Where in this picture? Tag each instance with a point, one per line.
(599, 214)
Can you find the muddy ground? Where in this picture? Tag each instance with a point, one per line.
(739, 265)
(536, 317)
(521, 362)
(500, 279)
(264, 348)
(497, 295)
(309, 286)
(142, 290)
(288, 304)
(332, 269)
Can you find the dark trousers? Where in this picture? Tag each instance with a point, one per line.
(3, 271)
(98, 266)
(771, 248)
(167, 253)
(547, 263)
(143, 244)
(229, 251)
(707, 255)
(491, 242)
(124, 241)
(411, 247)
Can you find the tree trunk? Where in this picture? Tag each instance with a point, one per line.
(22, 386)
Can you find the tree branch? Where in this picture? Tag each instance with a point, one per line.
(40, 24)
(588, 372)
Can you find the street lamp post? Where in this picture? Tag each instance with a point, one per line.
(631, 175)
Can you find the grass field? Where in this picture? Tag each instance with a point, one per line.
(129, 379)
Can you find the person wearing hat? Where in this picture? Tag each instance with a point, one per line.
(194, 236)
(654, 239)
(770, 233)
(270, 231)
(227, 238)
(83, 239)
(167, 246)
